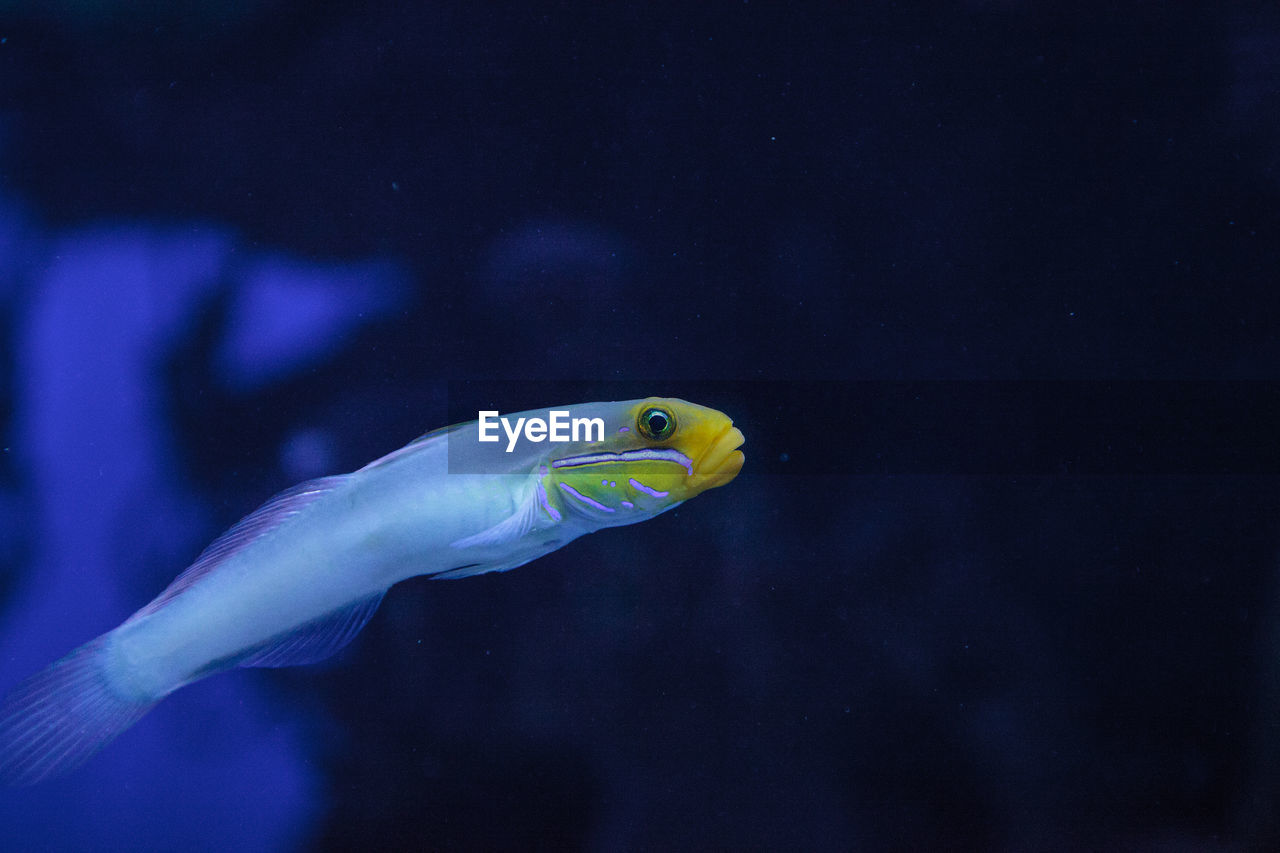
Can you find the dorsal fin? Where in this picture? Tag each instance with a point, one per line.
(316, 640)
(249, 529)
(415, 445)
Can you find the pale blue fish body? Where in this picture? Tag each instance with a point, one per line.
(293, 582)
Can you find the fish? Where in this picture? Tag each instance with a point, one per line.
(296, 580)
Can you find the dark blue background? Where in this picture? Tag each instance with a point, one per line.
(243, 247)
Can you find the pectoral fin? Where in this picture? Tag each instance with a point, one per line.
(505, 532)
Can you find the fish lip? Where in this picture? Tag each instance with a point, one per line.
(720, 451)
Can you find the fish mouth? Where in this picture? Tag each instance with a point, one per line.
(722, 460)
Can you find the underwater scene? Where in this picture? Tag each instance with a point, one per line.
(744, 426)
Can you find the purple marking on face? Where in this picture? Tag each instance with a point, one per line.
(604, 482)
(653, 454)
(613, 484)
(542, 470)
(628, 504)
(639, 486)
(572, 492)
(624, 429)
(546, 504)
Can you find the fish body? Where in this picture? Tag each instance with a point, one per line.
(295, 581)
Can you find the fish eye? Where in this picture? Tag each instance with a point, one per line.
(656, 423)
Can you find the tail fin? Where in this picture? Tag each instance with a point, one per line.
(58, 718)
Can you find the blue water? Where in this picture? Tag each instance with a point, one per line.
(246, 248)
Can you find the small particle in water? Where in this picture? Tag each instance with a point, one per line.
(784, 457)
